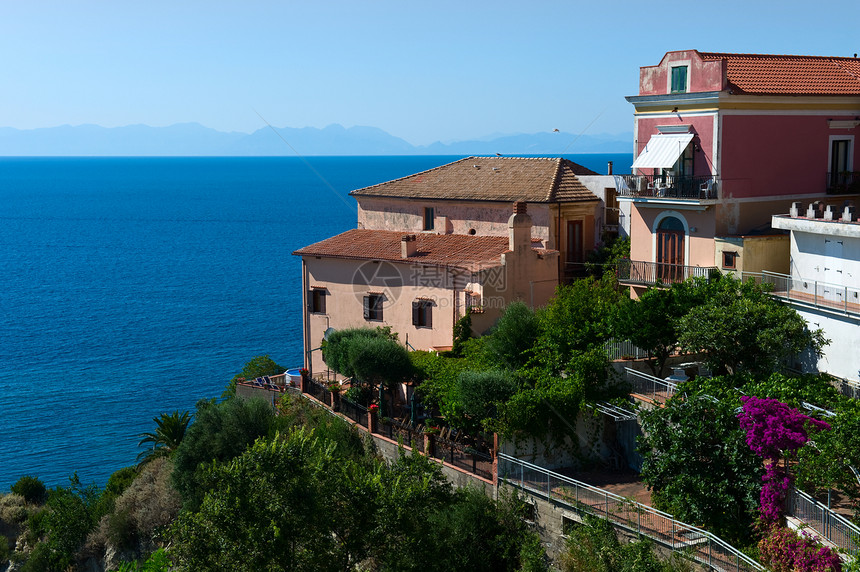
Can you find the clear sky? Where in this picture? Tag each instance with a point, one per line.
(423, 71)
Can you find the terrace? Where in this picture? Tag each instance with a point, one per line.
(641, 273)
(668, 186)
(815, 293)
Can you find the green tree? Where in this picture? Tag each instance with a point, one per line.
(462, 333)
(482, 392)
(741, 328)
(698, 466)
(577, 319)
(169, 432)
(651, 322)
(220, 432)
(513, 336)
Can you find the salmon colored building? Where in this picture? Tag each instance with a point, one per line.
(431, 245)
(725, 141)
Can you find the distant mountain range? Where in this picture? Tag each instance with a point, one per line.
(193, 139)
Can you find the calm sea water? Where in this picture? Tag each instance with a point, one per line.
(136, 286)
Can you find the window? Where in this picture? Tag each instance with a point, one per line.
(730, 259)
(679, 79)
(568, 525)
(429, 218)
(422, 313)
(473, 303)
(316, 301)
(373, 307)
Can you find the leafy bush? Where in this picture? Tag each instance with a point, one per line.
(784, 550)
(221, 431)
(481, 392)
(13, 509)
(31, 488)
(4, 549)
(513, 336)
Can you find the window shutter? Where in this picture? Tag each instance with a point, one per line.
(428, 317)
(322, 296)
(367, 307)
(416, 313)
(310, 301)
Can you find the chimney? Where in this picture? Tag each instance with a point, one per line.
(520, 228)
(609, 168)
(828, 212)
(408, 245)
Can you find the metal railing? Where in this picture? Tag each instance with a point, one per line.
(824, 295)
(623, 513)
(843, 182)
(616, 349)
(824, 521)
(354, 411)
(668, 186)
(464, 457)
(317, 390)
(649, 273)
(405, 432)
(650, 386)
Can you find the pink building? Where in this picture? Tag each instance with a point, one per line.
(725, 141)
(430, 245)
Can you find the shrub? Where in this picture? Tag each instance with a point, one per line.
(13, 509)
(783, 550)
(481, 391)
(31, 488)
(513, 336)
(4, 548)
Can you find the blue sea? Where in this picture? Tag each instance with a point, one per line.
(136, 286)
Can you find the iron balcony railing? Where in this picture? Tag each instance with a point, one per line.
(648, 273)
(843, 182)
(827, 523)
(623, 513)
(668, 186)
(824, 295)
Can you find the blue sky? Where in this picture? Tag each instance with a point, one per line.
(423, 71)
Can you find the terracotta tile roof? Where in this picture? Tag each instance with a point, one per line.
(508, 179)
(790, 75)
(457, 250)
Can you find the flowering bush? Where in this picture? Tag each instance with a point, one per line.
(774, 429)
(783, 550)
(374, 407)
(303, 372)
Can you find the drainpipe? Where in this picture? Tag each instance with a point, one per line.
(306, 322)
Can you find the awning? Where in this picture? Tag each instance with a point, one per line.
(662, 151)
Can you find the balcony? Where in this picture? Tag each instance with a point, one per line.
(843, 183)
(639, 273)
(668, 186)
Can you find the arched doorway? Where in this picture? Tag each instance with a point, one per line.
(670, 250)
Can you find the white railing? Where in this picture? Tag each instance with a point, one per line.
(623, 513)
(650, 386)
(623, 349)
(820, 294)
(835, 528)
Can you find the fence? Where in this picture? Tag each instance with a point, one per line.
(354, 411)
(825, 295)
(466, 457)
(318, 391)
(403, 432)
(649, 273)
(623, 350)
(827, 523)
(634, 517)
(650, 386)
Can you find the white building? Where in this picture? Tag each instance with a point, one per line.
(824, 286)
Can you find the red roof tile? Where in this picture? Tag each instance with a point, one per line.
(506, 179)
(790, 75)
(457, 250)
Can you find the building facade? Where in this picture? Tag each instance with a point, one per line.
(723, 142)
